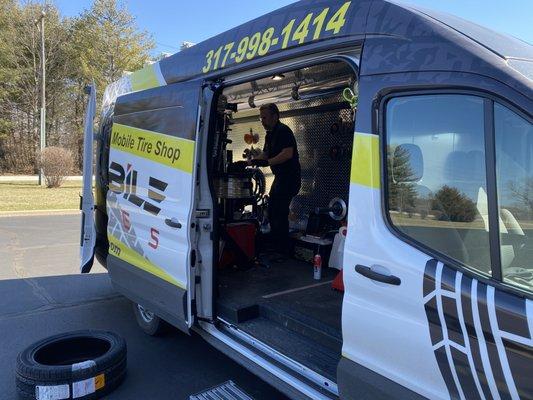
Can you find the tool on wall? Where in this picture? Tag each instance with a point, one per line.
(336, 209)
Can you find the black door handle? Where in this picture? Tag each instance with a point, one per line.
(376, 276)
(173, 223)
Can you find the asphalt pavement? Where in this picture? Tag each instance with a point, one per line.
(42, 294)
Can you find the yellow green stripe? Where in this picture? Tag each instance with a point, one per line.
(164, 149)
(145, 78)
(125, 253)
(365, 161)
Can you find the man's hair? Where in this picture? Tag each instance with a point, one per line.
(271, 107)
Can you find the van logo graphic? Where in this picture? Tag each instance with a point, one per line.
(124, 182)
(481, 335)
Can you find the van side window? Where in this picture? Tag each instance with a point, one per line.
(436, 178)
(514, 180)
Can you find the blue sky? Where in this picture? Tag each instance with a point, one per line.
(173, 21)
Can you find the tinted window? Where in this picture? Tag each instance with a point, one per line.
(514, 176)
(437, 192)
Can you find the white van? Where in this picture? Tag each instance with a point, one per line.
(415, 137)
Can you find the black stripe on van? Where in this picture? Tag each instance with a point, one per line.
(445, 370)
(464, 374)
(429, 277)
(490, 344)
(511, 314)
(471, 337)
(520, 364)
(455, 333)
(512, 328)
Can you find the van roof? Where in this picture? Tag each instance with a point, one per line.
(428, 41)
(504, 45)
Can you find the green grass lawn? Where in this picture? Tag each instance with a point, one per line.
(25, 196)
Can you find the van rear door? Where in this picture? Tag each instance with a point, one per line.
(150, 201)
(88, 233)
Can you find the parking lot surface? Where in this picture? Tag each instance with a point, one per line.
(42, 294)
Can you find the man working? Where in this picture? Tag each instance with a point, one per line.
(281, 154)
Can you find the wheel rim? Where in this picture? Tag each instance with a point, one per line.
(146, 315)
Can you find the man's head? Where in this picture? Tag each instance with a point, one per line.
(269, 115)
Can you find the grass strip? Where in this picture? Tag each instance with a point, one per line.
(27, 196)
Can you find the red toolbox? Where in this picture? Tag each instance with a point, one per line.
(243, 236)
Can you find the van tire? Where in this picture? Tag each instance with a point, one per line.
(150, 323)
(63, 361)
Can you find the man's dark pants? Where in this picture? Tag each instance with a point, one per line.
(280, 197)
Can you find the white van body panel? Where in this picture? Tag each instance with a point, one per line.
(385, 326)
(155, 242)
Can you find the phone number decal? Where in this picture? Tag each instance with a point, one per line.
(260, 43)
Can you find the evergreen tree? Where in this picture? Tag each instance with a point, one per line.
(402, 190)
(453, 205)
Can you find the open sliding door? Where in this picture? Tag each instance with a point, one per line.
(151, 199)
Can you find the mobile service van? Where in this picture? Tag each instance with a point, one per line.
(414, 130)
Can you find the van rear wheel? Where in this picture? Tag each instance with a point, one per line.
(150, 323)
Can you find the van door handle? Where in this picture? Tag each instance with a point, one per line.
(173, 222)
(376, 276)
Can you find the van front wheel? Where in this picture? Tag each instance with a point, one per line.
(150, 323)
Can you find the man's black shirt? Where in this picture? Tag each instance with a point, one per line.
(279, 138)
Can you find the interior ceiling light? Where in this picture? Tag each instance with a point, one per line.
(278, 77)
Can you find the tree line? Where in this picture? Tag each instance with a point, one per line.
(100, 44)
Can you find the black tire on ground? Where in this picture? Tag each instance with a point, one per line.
(84, 365)
(150, 323)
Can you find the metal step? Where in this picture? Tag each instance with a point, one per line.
(225, 391)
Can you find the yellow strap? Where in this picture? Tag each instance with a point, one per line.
(365, 161)
(125, 253)
(163, 149)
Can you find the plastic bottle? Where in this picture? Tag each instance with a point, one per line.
(317, 267)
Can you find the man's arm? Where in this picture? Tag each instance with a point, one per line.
(261, 156)
(285, 155)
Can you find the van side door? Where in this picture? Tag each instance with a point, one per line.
(88, 232)
(150, 201)
(437, 265)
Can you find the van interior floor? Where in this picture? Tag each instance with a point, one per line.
(280, 304)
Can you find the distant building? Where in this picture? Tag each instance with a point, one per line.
(159, 57)
(186, 45)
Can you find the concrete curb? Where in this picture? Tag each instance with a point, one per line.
(34, 213)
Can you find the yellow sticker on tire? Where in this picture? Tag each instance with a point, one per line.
(99, 381)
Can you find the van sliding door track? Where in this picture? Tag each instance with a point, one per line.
(287, 362)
